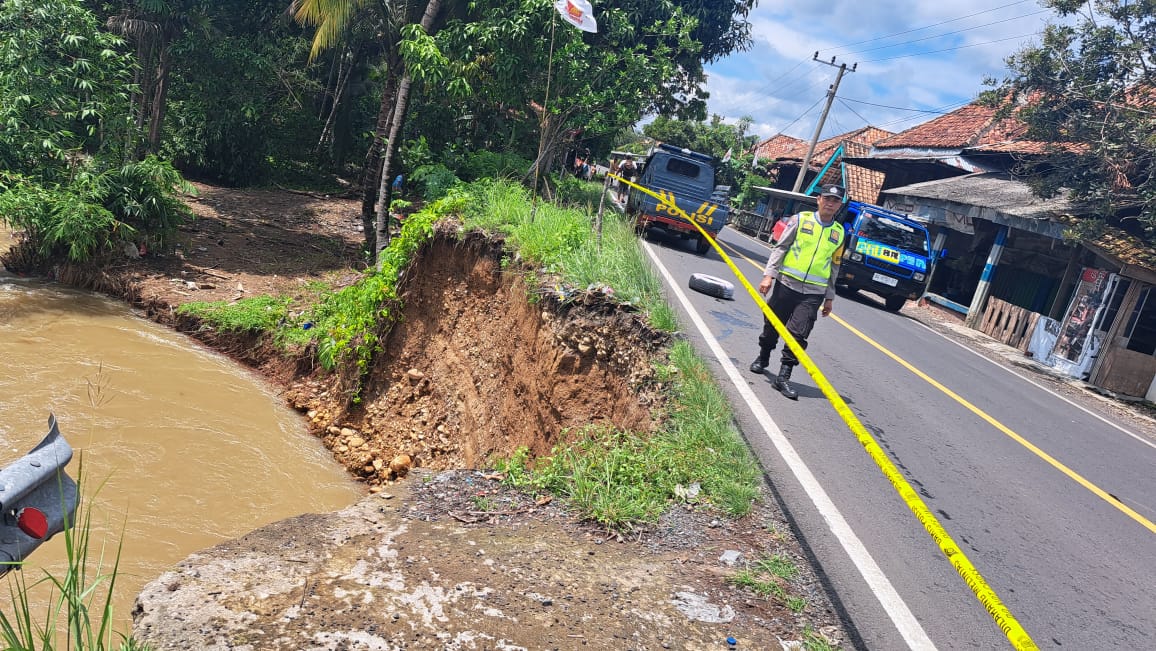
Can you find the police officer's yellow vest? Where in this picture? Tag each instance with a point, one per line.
(809, 258)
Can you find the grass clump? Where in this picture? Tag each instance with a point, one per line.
(815, 641)
(620, 479)
(258, 313)
(768, 577)
(562, 241)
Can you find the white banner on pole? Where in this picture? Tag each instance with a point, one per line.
(578, 13)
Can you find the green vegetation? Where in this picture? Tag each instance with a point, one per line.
(255, 314)
(815, 641)
(767, 577)
(620, 479)
(561, 240)
(483, 504)
(64, 179)
(97, 210)
(1086, 91)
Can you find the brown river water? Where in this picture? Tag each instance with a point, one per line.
(181, 448)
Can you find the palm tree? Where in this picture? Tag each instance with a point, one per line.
(384, 189)
(154, 25)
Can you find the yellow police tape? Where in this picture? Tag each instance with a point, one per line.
(1003, 617)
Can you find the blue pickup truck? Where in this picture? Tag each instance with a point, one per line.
(887, 253)
(687, 179)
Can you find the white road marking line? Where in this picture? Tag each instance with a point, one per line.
(1041, 387)
(880, 585)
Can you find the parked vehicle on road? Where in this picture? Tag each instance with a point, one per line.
(684, 178)
(887, 253)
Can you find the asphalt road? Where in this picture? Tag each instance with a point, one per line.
(1050, 501)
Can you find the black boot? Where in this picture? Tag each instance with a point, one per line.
(761, 362)
(783, 385)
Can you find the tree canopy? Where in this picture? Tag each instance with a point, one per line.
(1089, 90)
(237, 91)
(63, 84)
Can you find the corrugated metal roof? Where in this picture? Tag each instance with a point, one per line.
(1003, 200)
(993, 191)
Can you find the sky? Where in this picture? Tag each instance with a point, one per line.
(915, 60)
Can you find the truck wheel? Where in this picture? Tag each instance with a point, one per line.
(701, 246)
(712, 286)
(894, 303)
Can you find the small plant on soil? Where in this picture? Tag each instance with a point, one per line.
(814, 641)
(767, 577)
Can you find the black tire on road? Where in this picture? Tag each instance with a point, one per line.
(894, 303)
(712, 286)
(701, 245)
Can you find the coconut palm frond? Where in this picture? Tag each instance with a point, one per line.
(331, 17)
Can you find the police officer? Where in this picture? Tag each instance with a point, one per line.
(802, 267)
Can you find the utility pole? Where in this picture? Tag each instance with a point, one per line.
(823, 118)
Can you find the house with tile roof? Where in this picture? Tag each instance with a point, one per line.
(1086, 307)
(784, 157)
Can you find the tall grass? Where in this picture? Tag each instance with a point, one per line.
(563, 241)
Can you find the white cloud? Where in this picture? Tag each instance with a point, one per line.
(776, 82)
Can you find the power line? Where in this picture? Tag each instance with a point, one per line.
(950, 49)
(790, 88)
(787, 91)
(848, 107)
(897, 108)
(958, 31)
(920, 117)
(919, 29)
(792, 122)
(793, 68)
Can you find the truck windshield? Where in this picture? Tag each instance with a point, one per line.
(894, 233)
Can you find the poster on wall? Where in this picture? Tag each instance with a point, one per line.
(1076, 326)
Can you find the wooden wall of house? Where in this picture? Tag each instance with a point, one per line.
(1127, 372)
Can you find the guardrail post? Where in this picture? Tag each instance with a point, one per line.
(37, 499)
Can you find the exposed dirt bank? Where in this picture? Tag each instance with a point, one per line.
(475, 369)
(480, 365)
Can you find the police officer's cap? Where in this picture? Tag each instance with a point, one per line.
(833, 190)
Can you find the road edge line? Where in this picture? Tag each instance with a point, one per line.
(901, 616)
